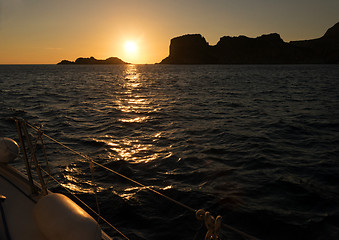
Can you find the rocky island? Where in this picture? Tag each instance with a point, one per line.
(92, 60)
(266, 49)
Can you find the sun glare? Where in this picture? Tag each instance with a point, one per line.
(131, 47)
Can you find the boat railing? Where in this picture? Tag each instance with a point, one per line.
(25, 139)
(212, 224)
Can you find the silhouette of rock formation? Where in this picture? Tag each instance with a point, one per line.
(92, 60)
(188, 49)
(324, 49)
(266, 49)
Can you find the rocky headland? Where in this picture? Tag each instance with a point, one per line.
(266, 49)
(92, 60)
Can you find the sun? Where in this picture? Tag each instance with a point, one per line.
(131, 47)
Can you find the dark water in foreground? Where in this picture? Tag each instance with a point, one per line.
(258, 145)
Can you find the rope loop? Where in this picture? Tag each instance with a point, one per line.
(212, 224)
(91, 167)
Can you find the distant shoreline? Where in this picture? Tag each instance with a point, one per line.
(169, 64)
(92, 60)
(265, 49)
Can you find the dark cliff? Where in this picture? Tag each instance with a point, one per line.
(92, 60)
(266, 49)
(324, 49)
(188, 49)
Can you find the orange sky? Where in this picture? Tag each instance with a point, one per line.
(46, 32)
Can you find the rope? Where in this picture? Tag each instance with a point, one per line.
(45, 154)
(211, 233)
(91, 167)
(212, 224)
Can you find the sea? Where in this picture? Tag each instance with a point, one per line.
(256, 144)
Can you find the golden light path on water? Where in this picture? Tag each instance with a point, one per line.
(132, 101)
(76, 184)
(135, 105)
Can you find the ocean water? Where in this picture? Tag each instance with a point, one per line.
(256, 144)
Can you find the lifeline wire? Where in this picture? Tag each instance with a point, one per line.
(138, 183)
(119, 174)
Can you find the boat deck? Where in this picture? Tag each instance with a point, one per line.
(18, 206)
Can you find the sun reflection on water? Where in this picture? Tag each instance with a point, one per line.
(77, 184)
(134, 151)
(131, 192)
(131, 99)
(134, 120)
(135, 105)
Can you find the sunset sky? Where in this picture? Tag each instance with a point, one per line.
(48, 31)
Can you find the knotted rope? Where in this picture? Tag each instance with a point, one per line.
(212, 224)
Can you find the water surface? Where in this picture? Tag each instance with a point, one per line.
(256, 144)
